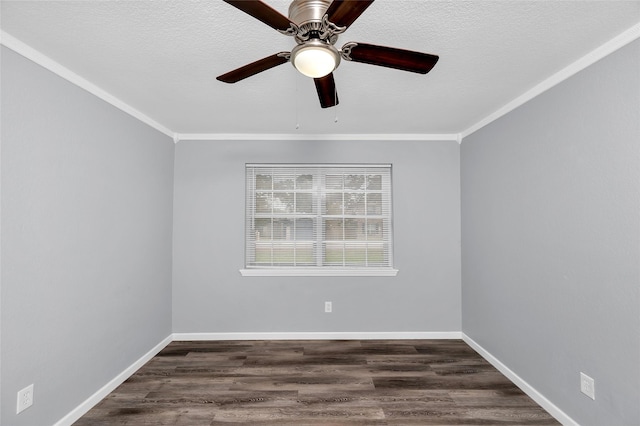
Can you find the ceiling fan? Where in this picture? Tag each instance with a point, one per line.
(316, 25)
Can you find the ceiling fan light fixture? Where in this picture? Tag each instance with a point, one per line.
(316, 25)
(315, 58)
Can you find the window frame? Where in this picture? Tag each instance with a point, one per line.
(319, 218)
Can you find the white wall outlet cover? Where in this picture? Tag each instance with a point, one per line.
(25, 399)
(587, 386)
(328, 306)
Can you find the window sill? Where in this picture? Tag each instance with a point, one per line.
(325, 272)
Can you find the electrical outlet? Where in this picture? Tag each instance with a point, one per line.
(25, 399)
(328, 307)
(587, 386)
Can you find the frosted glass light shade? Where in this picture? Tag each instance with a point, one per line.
(315, 59)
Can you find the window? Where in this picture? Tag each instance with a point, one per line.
(318, 220)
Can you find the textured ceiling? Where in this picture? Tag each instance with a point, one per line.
(162, 57)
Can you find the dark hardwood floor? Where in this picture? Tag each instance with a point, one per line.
(314, 382)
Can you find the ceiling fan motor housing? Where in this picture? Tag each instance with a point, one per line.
(309, 15)
(304, 11)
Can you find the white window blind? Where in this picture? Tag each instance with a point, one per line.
(307, 217)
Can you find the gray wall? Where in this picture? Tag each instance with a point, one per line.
(210, 295)
(551, 236)
(86, 241)
(550, 260)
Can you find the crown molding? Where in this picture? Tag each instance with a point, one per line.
(607, 48)
(318, 137)
(39, 58)
(590, 58)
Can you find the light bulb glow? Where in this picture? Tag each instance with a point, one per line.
(315, 62)
(315, 59)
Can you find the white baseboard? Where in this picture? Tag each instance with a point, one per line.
(382, 335)
(94, 399)
(550, 407)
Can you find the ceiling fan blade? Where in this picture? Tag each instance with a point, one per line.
(254, 68)
(344, 12)
(326, 87)
(264, 13)
(406, 60)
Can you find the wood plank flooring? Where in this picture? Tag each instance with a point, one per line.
(368, 382)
